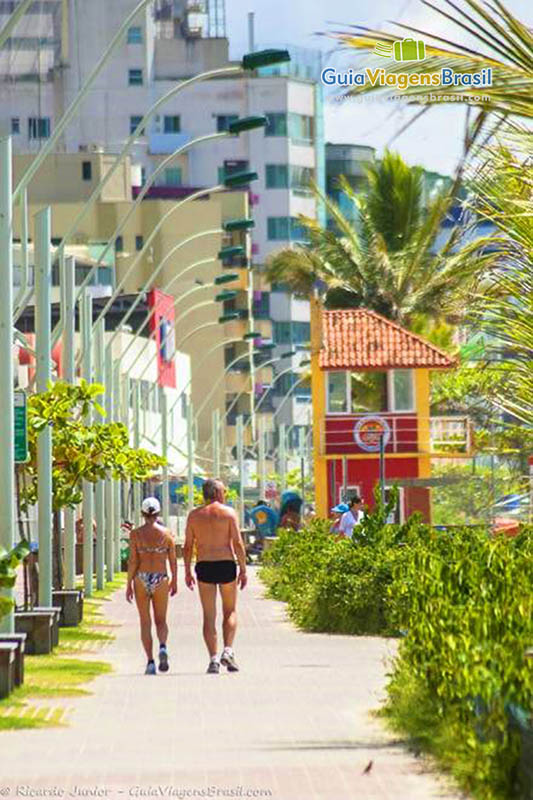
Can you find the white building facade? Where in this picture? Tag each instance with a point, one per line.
(54, 50)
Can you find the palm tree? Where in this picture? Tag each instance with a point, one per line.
(387, 260)
(506, 45)
(503, 187)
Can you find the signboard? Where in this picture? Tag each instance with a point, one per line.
(368, 431)
(162, 322)
(21, 427)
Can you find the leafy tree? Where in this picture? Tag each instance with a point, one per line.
(9, 561)
(388, 259)
(80, 451)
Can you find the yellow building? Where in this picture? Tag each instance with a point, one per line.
(371, 391)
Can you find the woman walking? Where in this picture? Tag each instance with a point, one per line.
(151, 546)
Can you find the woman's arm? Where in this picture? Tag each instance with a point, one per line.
(133, 566)
(173, 565)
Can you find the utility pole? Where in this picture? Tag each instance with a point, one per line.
(88, 509)
(216, 442)
(7, 443)
(43, 348)
(69, 374)
(164, 453)
(382, 466)
(261, 458)
(282, 456)
(301, 443)
(240, 467)
(116, 482)
(190, 455)
(108, 489)
(99, 493)
(136, 487)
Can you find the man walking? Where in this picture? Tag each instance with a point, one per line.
(213, 529)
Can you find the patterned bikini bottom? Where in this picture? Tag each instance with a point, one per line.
(151, 580)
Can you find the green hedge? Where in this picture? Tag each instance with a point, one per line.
(464, 603)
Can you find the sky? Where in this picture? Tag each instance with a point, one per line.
(434, 141)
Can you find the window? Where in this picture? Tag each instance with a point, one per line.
(368, 392)
(301, 128)
(337, 400)
(276, 124)
(15, 125)
(225, 120)
(135, 77)
(291, 332)
(135, 121)
(173, 176)
(301, 332)
(300, 179)
(277, 228)
(401, 390)
(277, 176)
(135, 35)
(172, 124)
(86, 171)
(119, 244)
(39, 128)
(139, 242)
(281, 332)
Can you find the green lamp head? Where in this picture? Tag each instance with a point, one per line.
(226, 278)
(265, 58)
(243, 224)
(239, 179)
(229, 252)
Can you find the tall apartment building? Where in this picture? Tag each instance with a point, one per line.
(50, 56)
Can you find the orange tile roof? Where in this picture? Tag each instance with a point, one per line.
(357, 338)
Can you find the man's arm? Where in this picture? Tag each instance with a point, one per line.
(133, 565)
(239, 549)
(188, 548)
(173, 565)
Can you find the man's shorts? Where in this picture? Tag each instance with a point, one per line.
(216, 571)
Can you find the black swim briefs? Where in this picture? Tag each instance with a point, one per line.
(216, 571)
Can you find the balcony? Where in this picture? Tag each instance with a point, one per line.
(167, 143)
(404, 433)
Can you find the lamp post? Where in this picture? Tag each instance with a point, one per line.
(88, 509)
(43, 280)
(7, 443)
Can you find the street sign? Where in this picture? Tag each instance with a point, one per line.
(21, 427)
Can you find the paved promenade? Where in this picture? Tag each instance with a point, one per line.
(294, 724)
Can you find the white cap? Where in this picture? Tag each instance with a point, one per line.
(151, 506)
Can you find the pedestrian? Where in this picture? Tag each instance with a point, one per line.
(337, 512)
(214, 531)
(352, 517)
(151, 546)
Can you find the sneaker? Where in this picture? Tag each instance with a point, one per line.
(150, 668)
(213, 668)
(163, 660)
(228, 660)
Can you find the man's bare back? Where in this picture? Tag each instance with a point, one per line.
(214, 528)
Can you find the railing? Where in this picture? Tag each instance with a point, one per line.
(403, 433)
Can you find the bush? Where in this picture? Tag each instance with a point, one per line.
(465, 603)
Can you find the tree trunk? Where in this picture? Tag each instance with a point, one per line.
(58, 559)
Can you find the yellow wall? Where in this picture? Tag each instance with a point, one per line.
(318, 394)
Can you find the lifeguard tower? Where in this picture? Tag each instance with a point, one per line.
(370, 389)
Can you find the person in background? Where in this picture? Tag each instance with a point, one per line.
(151, 546)
(291, 518)
(352, 517)
(337, 512)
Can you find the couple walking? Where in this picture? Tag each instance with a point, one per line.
(213, 531)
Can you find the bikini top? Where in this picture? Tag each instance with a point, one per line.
(154, 549)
